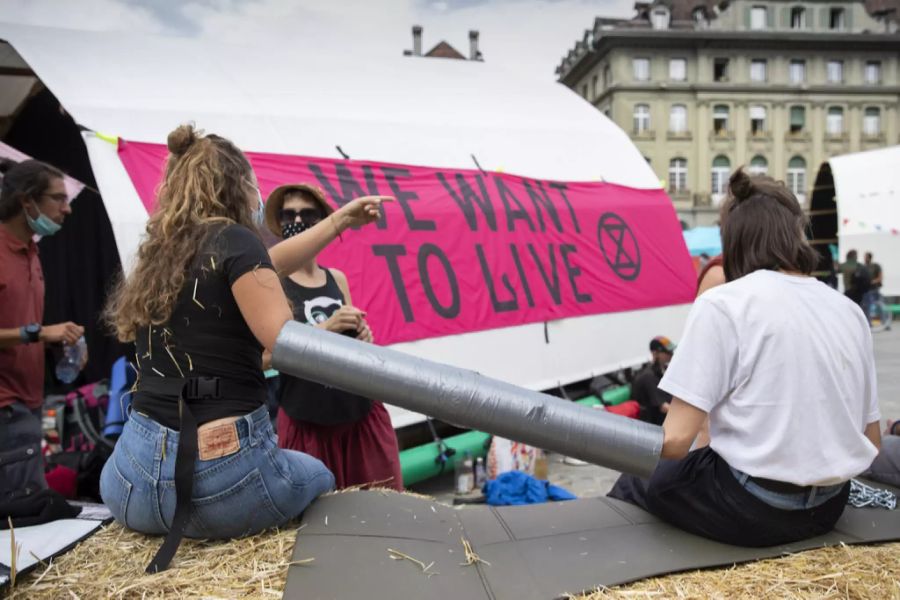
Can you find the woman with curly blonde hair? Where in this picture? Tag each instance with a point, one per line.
(198, 456)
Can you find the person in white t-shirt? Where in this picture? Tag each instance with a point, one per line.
(783, 367)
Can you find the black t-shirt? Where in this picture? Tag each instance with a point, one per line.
(308, 401)
(645, 390)
(206, 334)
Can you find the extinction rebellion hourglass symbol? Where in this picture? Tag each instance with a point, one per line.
(619, 246)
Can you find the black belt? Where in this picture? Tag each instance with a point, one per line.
(780, 487)
(189, 388)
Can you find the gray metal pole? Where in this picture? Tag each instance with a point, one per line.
(468, 399)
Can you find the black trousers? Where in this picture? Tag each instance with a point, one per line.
(700, 494)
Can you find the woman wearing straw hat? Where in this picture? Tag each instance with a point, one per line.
(197, 456)
(352, 435)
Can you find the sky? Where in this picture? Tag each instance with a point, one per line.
(526, 36)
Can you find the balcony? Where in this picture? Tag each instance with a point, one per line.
(874, 139)
(643, 134)
(760, 136)
(722, 135)
(676, 136)
(837, 138)
(798, 137)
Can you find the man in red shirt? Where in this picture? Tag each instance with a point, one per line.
(33, 200)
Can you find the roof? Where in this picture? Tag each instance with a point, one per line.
(444, 50)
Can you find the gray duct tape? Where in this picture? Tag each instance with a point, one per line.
(468, 399)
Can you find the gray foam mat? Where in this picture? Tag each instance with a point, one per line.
(538, 551)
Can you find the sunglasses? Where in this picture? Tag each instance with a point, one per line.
(310, 216)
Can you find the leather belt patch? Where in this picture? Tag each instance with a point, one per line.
(218, 441)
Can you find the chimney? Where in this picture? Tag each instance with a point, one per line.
(474, 53)
(417, 40)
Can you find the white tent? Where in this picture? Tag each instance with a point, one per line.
(867, 192)
(420, 111)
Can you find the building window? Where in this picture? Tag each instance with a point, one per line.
(835, 71)
(834, 121)
(758, 165)
(660, 18)
(607, 77)
(721, 170)
(758, 17)
(836, 20)
(798, 18)
(720, 119)
(678, 118)
(677, 175)
(594, 86)
(678, 69)
(873, 72)
(584, 91)
(872, 121)
(641, 118)
(720, 69)
(757, 119)
(796, 177)
(797, 71)
(798, 119)
(758, 70)
(641, 69)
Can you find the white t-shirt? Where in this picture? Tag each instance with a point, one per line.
(785, 368)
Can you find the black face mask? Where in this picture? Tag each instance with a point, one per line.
(289, 230)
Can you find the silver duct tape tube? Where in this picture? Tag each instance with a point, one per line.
(468, 399)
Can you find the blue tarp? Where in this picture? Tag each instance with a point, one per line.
(702, 240)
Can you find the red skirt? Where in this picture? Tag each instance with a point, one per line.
(357, 453)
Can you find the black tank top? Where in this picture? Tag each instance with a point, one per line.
(306, 400)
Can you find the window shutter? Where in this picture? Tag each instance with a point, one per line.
(848, 18)
(786, 17)
(747, 17)
(824, 17)
(770, 17)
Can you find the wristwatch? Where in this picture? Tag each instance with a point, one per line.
(30, 333)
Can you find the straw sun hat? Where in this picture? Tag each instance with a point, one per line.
(276, 202)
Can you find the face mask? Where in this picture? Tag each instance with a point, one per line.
(43, 225)
(260, 215)
(289, 230)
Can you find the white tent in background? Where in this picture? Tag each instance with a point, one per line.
(866, 190)
(290, 100)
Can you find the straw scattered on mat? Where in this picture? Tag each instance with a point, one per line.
(854, 572)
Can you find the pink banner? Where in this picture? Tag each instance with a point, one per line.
(464, 250)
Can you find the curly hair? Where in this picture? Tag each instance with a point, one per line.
(206, 181)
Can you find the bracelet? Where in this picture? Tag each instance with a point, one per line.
(336, 230)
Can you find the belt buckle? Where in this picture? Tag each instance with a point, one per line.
(202, 387)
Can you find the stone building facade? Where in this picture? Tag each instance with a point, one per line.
(775, 85)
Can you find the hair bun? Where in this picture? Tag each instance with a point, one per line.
(740, 185)
(181, 139)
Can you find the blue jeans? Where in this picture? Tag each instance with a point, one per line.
(816, 496)
(258, 487)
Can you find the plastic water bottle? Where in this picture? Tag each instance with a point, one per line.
(69, 366)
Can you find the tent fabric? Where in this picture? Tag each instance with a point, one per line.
(396, 109)
(703, 240)
(867, 192)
